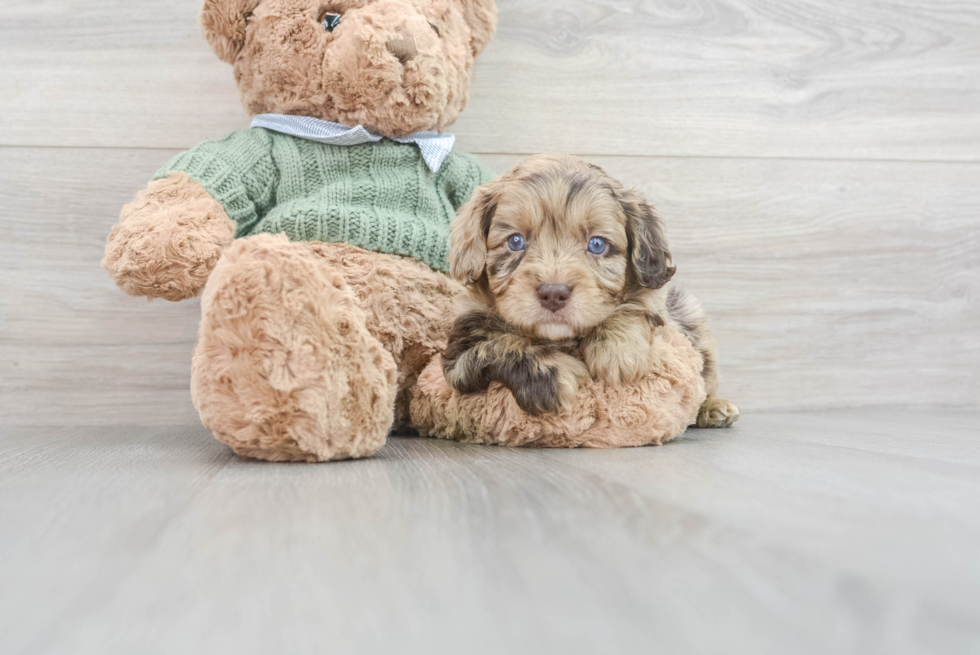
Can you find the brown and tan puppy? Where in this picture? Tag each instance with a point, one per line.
(569, 274)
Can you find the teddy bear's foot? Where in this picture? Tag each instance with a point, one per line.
(284, 368)
(167, 240)
(717, 413)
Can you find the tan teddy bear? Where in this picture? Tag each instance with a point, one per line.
(309, 345)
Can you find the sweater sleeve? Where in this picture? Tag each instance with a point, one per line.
(471, 175)
(238, 171)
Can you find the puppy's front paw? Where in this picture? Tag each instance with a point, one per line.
(618, 361)
(552, 384)
(718, 413)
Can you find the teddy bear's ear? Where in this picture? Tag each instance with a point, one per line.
(223, 25)
(482, 18)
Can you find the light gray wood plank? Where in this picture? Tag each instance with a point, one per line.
(803, 533)
(842, 477)
(890, 80)
(829, 284)
(79, 510)
(73, 347)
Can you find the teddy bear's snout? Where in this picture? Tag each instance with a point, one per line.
(402, 48)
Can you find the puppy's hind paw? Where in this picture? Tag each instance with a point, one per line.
(718, 413)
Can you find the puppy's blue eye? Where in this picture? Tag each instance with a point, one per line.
(329, 20)
(597, 245)
(516, 242)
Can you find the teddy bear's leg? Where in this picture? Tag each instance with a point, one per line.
(284, 368)
(408, 307)
(167, 240)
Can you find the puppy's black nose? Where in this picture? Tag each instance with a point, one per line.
(554, 296)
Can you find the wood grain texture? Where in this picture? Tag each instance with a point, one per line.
(837, 532)
(829, 284)
(898, 79)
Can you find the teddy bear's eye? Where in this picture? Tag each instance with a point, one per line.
(329, 20)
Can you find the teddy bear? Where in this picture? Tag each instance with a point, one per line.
(319, 236)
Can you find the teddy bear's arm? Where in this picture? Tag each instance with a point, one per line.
(169, 238)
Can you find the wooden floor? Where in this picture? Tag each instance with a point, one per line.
(837, 532)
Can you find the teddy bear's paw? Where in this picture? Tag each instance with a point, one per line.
(284, 368)
(168, 240)
(718, 413)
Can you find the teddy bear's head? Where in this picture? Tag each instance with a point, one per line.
(394, 66)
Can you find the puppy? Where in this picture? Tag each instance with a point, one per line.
(569, 275)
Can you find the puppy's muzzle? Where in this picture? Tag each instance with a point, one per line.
(554, 297)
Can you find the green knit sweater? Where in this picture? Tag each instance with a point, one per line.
(379, 196)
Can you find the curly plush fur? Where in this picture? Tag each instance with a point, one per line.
(652, 411)
(304, 348)
(285, 368)
(167, 240)
(349, 75)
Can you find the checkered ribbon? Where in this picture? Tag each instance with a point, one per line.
(435, 147)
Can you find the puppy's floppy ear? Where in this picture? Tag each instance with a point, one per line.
(649, 252)
(468, 235)
(223, 25)
(481, 16)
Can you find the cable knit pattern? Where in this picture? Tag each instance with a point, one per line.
(378, 196)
